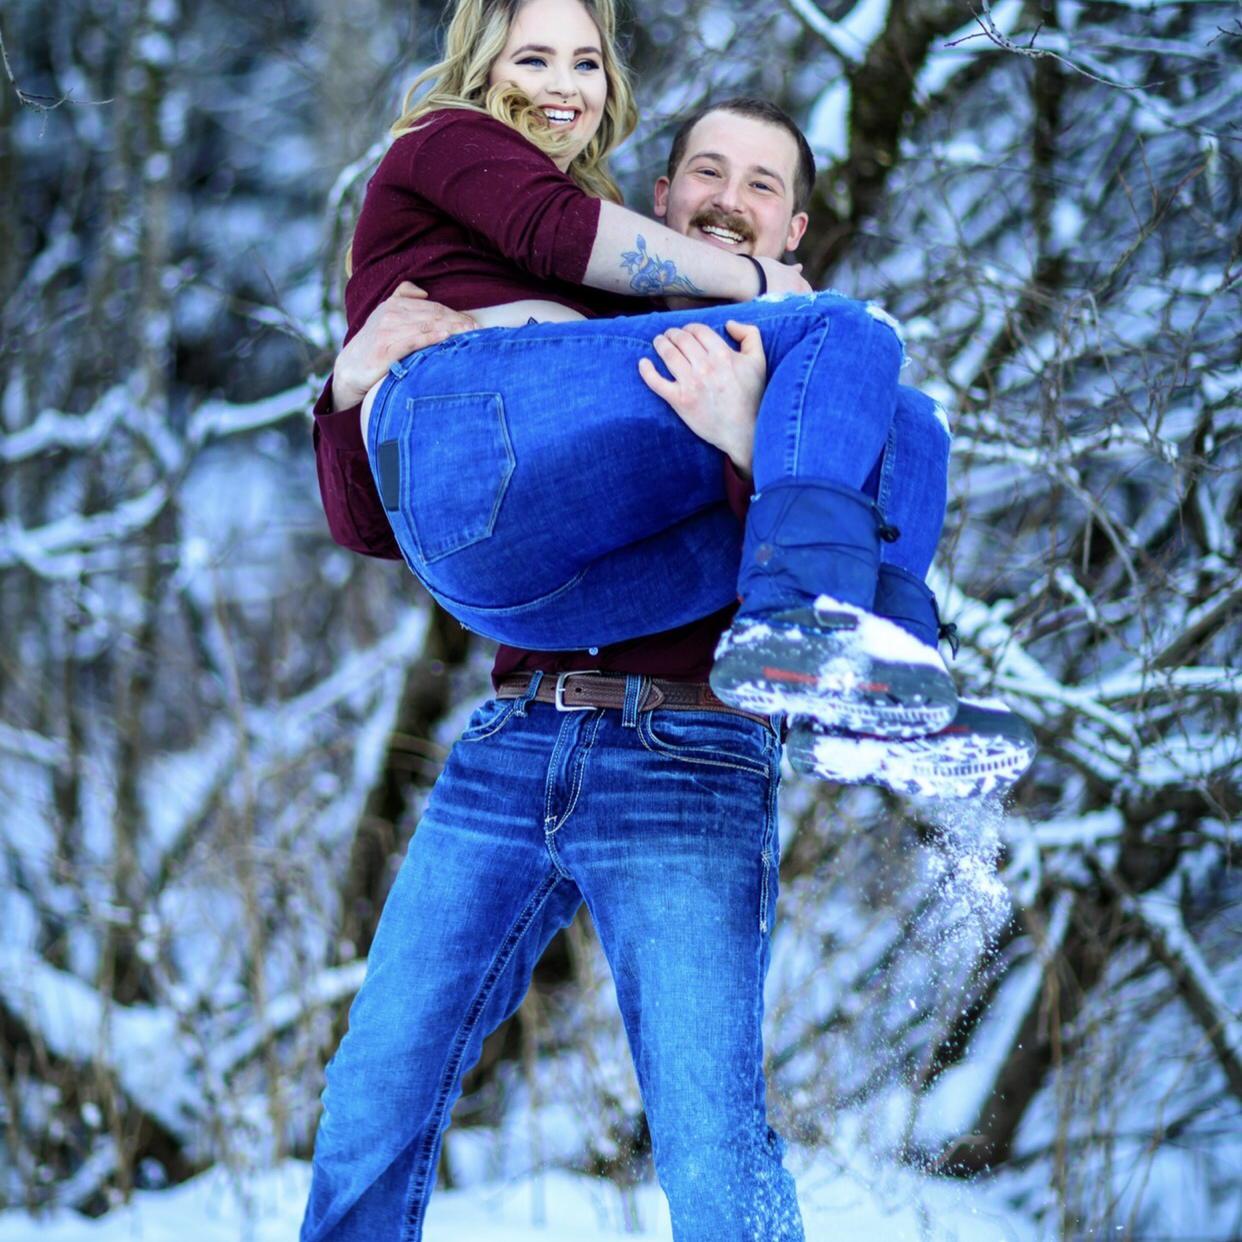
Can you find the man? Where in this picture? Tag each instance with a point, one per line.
(728, 184)
(631, 789)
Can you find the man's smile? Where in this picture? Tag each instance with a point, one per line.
(728, 232)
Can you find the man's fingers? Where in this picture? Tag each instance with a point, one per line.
(747, 336)
(430, 312)
(688, 342)
(408, 289)
(711, 340)
(671, 355)
(420, 325)
(655, 381)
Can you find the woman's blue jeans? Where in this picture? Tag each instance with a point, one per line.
(910, 482)
(534, 813)
(549, 500)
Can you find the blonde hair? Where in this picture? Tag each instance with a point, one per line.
(477, 34)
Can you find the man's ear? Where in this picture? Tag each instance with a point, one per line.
(797, 227)
(659, 204)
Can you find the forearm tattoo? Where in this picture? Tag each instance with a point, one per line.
(651, 274)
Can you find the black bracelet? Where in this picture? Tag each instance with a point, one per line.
(763, 276)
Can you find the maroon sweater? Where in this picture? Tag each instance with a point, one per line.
(432, 215)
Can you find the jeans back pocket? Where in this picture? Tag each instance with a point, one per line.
(456, 462)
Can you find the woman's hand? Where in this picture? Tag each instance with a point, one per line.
(715, 390)
(397, 326)
(783, 277)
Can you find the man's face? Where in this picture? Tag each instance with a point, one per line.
(735, 186)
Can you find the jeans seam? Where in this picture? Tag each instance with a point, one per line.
(587, 741)
(416, 1197)
(548, 783)
(794, 441)
(493, 727)
(656, 747)
(508, 609)
(769, 836)
(887, 465)
(757, 1134)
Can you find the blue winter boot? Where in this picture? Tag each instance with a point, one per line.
(986, 747)
(805, 639)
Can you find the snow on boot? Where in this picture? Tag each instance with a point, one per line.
(985, 749)
(805, 639)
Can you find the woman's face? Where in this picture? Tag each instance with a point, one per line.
(554, 54)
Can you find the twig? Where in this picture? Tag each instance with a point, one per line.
(40, 103)
(992, 32)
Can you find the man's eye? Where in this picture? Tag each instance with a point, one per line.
(761, 185)
(707, 172)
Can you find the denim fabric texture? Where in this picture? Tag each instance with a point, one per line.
(910, 482)
(536, 812)
(549, 500)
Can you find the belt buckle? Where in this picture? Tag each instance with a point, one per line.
(559, 700)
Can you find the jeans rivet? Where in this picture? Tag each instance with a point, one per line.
(763, 553)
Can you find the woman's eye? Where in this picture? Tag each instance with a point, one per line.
(537, 61)
(586, 64)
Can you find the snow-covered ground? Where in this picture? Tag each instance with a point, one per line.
(858, 1203)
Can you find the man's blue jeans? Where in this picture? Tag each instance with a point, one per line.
(664, 823)
(549, 500)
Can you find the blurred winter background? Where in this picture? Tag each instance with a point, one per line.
(217, 729)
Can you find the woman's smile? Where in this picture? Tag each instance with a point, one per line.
(553, 54)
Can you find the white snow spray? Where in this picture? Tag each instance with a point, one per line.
(966, 849)
(885, 950)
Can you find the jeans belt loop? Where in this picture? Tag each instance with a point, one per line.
(635, 696)
(524, 700)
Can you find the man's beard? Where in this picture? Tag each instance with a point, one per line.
(714, 218)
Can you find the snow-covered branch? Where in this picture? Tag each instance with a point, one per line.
(1160, 923)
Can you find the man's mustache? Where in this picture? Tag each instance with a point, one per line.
(723, 220)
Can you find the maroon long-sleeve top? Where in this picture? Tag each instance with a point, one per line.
(469, 210)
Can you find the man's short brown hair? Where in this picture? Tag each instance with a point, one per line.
(759, 110)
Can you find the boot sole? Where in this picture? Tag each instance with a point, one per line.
(982, 752)
(822, 670)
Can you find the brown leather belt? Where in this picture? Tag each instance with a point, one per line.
(576, 692)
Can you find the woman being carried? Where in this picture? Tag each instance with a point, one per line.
(552, 568)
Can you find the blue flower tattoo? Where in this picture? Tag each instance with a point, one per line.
(651, 274)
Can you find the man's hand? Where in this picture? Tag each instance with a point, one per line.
(715, 390)
(397, 326)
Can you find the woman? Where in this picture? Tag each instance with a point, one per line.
(498, 511)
